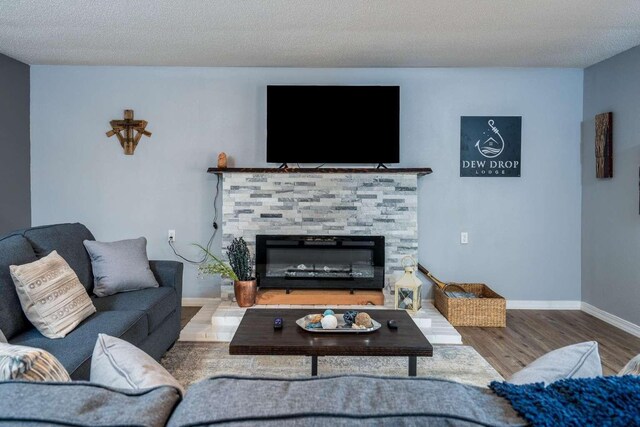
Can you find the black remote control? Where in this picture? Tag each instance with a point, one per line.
(277, 323)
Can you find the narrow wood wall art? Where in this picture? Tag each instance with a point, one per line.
(604, 145)
(128, 131)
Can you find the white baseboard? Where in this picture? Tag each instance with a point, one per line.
(196, 302)
(611, 319)
(543, 305)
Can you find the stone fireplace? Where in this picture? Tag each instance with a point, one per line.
(329, 203)
(324, 204)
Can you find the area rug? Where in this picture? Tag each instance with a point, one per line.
(189, 362)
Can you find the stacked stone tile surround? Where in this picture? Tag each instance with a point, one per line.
(324, 204)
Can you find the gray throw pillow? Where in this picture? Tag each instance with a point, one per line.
(119, 364)
(120, 266)
(2, 337)
(575, 361)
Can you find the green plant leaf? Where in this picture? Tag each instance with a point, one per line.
(216, 266)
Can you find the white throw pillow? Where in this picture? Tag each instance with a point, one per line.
(52, 297)
(32, 364)
(631, 368)
(574, 361)
(119, 364)
(120, 266)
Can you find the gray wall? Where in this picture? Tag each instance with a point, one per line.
(610, 219)
(15, 187)
(524, 233)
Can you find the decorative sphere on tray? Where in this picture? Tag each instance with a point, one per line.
(328, 313)
(350, 317)
(364, 320)
(329, 322)
(314, 318)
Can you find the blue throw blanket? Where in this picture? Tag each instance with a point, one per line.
(601, 401)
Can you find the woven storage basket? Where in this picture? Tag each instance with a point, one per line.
(490, 310)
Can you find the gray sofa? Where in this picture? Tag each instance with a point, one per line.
(236, 401)
(148, 318)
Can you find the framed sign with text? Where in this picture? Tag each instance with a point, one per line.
(490, 146)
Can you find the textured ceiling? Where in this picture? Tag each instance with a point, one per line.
(319, 33)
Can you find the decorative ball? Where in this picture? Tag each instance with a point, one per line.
(314, 318)
(407, 303)
(363, 319)
(329, 322)
(328, 313)
(350, 317)
(314, 325)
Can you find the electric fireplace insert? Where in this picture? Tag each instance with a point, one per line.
(320, 262)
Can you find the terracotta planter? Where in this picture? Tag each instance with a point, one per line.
(245, 292)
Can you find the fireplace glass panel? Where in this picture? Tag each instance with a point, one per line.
(320, 262)
(325, 263)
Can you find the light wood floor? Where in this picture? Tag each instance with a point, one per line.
(531, 333)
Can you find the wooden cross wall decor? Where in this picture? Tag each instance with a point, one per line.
(128, 131)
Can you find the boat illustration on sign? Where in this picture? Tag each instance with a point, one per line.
(491, 147)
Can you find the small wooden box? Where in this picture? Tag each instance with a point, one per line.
(490, 310)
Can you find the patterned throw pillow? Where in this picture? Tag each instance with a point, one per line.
(32, 364)
(631, 368)
(52, 297)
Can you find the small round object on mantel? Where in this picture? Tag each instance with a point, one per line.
(222, 160)
(329, 322)
(363, 319)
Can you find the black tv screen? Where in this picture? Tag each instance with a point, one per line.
(333, 124)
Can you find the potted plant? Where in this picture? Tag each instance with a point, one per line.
(239, 269)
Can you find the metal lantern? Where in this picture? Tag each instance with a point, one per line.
(409, 287)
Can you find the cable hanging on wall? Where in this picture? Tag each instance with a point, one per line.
(214, 224)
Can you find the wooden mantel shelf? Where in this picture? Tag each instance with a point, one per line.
(417, 171)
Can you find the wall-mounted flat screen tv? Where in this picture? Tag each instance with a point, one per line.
(333, 124)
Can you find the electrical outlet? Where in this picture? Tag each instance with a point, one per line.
(464, 238)
(171, 236)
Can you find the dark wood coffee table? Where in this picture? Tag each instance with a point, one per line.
(256, 336)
